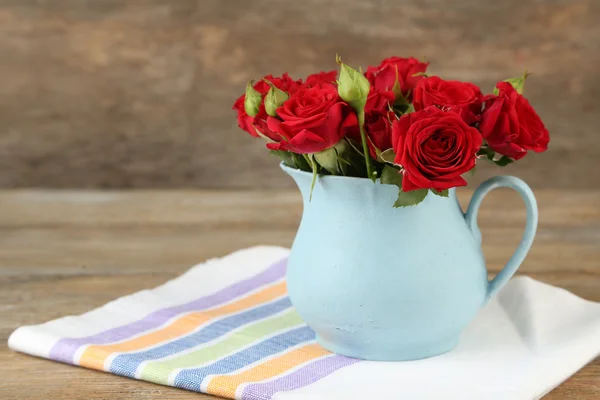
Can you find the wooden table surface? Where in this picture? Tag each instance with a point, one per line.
(66, 252)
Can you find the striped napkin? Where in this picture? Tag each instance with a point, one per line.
(226, 327)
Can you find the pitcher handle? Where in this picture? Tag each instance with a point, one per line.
(530, 226)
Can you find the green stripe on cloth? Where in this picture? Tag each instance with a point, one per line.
(159, 371)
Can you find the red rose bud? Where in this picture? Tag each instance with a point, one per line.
(252, 100)
(252, 124)
(379, 101)
(518, 83)
(379, 129)
(321, 78)
(274, 99)
(510, 125)
(312, 120)
(244, 120)
(378, 126)
(435, 148)
(463, 98)
(353, 87)
(404, 73)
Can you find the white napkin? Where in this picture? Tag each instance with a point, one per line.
(525, 342)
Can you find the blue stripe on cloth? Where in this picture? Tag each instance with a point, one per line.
(191, 379)
(126, 364)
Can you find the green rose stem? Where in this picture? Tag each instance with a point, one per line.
(313, 164)
(354, 88)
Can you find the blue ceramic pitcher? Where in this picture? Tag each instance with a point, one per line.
(382, 283)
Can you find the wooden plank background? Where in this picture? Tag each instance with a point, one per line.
(119, 94)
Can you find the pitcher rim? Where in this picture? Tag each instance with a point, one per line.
(287, 168)
(339, 178)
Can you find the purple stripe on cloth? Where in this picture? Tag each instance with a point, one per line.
(304, 376)
(65, 348)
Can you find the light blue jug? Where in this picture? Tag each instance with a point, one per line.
(382, 283)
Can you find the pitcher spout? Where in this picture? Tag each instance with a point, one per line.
(303, 180)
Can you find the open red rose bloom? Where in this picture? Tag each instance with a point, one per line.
(394, 123)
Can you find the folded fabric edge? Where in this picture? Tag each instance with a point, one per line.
(36, 340)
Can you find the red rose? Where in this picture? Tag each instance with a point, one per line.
(250, 124)
(510, 125)
(383, 77)
(435, 148)
(312, 120)
(378, 125)
(379, 100)
(321, 78)
(464, 98)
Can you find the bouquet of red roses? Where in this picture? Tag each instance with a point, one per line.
(394, 123)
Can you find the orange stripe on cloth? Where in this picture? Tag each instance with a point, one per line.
(95, 355)
(226, 385)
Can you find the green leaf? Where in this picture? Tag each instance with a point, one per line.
(274, 99)
(388, 156)
(496, 158)
(503, 161)
(285, 156)
(329, 158)
(441, 193)
(252, 100)
(391, 176)
(487, 152)
(301, 162)
(354, 146)
(412, 198)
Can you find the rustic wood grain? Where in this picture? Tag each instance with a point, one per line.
(116, 93)
(66, 252)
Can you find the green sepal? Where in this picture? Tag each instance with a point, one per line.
(412, 198)
(423, 73)
(274, 99)
(441, 193)
(252, 100)
(388, 156)
(518, 83)
(268, 139)
(397, 89)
